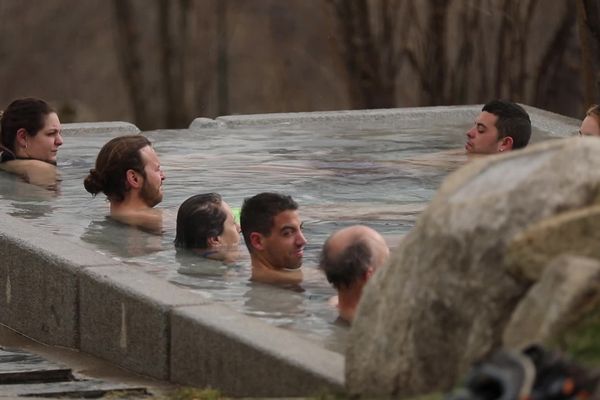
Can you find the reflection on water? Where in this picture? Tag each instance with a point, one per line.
(123, 241)
(23, 200)
(340, 175)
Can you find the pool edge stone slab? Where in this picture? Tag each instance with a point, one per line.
(556, 124)
(100, 128)
(124, 317)
(262, 360)
(39, 289)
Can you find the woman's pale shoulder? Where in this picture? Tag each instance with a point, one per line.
(32, 171)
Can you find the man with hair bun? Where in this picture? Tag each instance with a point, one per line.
(128, 172)
(349, 258)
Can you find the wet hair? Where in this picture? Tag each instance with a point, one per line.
(346, 267)
(513, 121)
(199, 218)
(114, 160)
(29, 114)
(594, 112)
(258, 213)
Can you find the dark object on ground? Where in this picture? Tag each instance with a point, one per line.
(534, 374)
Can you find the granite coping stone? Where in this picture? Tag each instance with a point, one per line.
(100, 128)
(392, 116)
(48, 246)
(553, 123)
(124, 317)
(39, 279)
(262, 360)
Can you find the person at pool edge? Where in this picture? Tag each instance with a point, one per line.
(272, 230)
(30, 138)
(128, 172)
(501, 126)
(349, 258)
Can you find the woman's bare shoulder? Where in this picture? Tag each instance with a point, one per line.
(35, 172)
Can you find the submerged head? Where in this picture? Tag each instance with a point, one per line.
(501, 126)
(590, 126)
(126, 164)
(206, 223)
(30, 129)
(272, 230)
(351, 255)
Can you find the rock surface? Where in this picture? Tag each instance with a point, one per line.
(568, 290)
(572, 232)
(447, 296)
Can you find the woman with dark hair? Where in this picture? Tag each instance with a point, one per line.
(30, 135)
(206, 225)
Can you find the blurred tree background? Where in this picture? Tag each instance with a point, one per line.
(161, 63)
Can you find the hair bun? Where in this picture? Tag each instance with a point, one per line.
(93, 183)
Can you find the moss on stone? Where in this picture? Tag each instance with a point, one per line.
(582, 341)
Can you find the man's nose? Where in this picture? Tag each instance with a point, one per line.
(300, 239)
(471, 133)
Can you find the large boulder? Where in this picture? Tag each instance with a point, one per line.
(567, 294)
(571, 232)
(447, 295)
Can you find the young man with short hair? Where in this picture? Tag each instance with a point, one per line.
(501, 126)
(272, 230)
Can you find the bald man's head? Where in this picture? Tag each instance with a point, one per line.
(351, 254)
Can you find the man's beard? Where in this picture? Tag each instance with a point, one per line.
(151, 196)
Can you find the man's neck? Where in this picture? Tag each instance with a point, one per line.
(133, 211)
(348, 299)
(264, 271)
(131, 203)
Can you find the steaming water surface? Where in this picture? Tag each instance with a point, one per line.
(340, 175)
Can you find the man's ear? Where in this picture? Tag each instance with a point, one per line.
(256, 241)
(214, 241)
(134, 179)
(369, 273)
(22, 137)
(506, 144)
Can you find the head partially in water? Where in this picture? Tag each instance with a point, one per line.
(206, 222)
(272, 230)
(30, 129)
(590, 126)
(351, 255)
(349, 258)
(125, 164)
(501, 126)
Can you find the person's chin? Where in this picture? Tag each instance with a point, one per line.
(296, 264)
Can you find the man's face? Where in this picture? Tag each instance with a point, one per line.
(284, 247)
(482, 138)
(152, 191)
